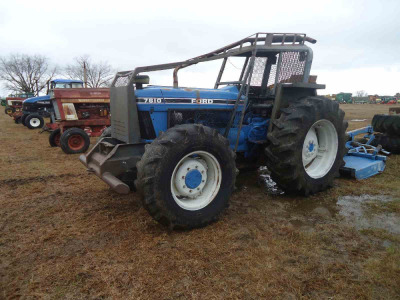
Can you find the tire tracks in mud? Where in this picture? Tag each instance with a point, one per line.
(21, 181)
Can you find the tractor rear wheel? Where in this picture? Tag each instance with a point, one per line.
(387, 124)
(54, 138)
(186, 176)
(388, 143)
(34, 121)
(74, 140)
(23, 118)
(307, 145)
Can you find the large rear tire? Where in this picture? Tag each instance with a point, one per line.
(389, 124)
(23, 118)
(54, 138)
(34, 121)
(388, 143)
(186, 176)
(74, 140)
(307, 145)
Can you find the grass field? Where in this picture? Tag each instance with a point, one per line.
(65, 234)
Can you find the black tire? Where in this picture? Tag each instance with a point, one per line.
(34, 121)
(54, 138)
(18, 120)
(23, 118)
(157, 165)
(284, 153)
(389, 124)
(388, 143)
(74, 140)
(106, 133)
(9, 110)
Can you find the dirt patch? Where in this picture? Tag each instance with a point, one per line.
(65, 234)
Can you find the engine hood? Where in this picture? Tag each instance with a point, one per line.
(36, 99)
(226, 93)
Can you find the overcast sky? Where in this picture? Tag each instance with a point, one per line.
(358, 44)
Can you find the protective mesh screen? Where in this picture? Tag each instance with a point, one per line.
(292, 67)
(258, 71)
(122, 81)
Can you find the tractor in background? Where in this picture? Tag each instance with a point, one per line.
(13, 103)
(179, 146)
(35, 109)
(78, 114)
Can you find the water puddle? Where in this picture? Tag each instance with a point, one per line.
(265, 180)
(358, 120)
(356, 211)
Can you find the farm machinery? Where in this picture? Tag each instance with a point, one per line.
(78, 115)
(13, 103)
(179, 146)
(36, 108)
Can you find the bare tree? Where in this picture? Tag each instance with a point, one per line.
(361, 93)
(97, 74)
(26, 73)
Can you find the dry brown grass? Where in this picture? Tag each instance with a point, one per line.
(64, 234)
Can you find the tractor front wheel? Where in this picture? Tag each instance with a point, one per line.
(307, 145)
(74, 140)
(8, 110)
(34, 121)
(186, 176)
(54, 138)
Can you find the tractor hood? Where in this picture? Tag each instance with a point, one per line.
(225, 93)
(36, 99)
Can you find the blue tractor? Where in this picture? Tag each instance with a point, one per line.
(36, 108)
(179, 147)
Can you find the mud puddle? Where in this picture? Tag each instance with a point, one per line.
(356, 211)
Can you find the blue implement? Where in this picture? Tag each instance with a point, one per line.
(363, 160)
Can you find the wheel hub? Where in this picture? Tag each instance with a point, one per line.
(76, 142)
(320, 148)
(191, 177)
(310, 149)
(34, 122)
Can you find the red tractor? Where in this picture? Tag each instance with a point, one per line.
(78, 115)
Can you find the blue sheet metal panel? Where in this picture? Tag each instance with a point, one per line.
(66, 81)
(364, 167)
(35, 99)
(229, 93)
(166, 106)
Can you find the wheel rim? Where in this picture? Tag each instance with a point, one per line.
(76, 142)
(34, 122)
(196, 180)
(320, 148)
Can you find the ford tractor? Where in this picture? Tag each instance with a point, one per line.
(36, 108)
(179, 146)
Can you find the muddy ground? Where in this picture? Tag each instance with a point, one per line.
(65, 234)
